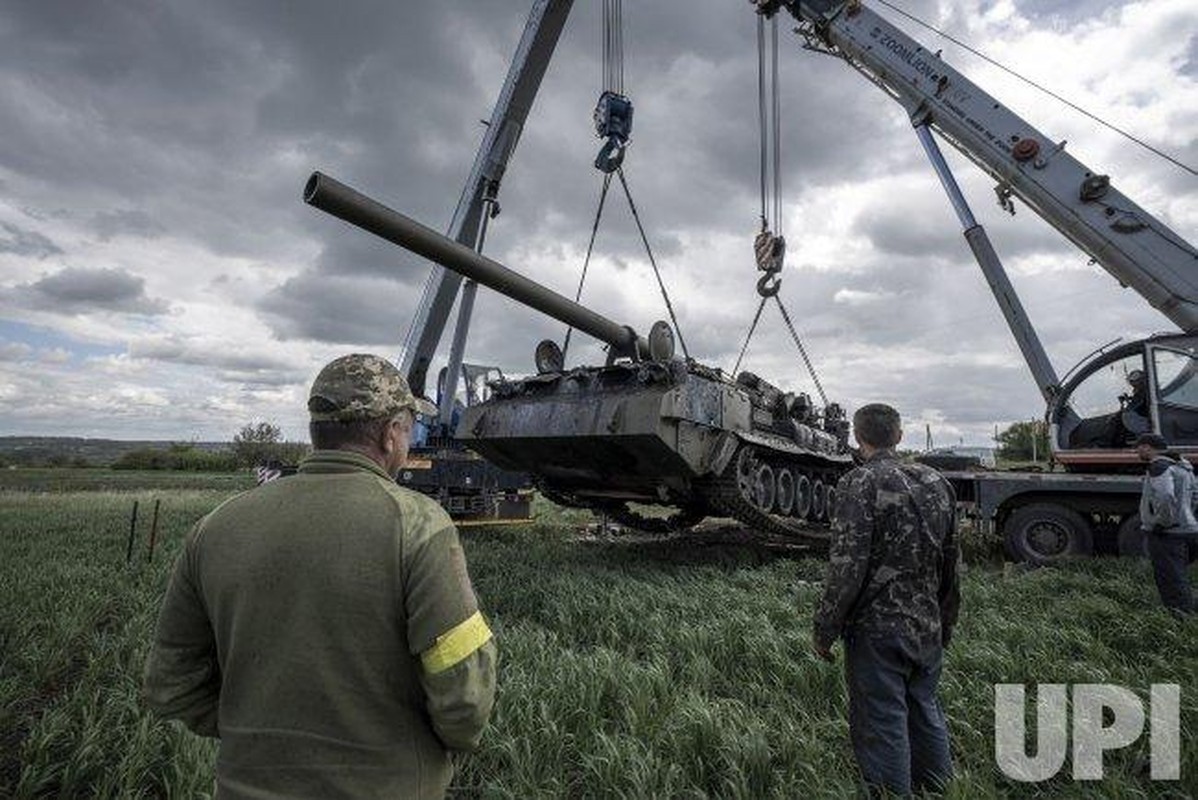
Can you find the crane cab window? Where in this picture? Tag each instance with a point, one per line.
(1111, 405)
(1177, 394)
(1176, 377)
(1108, 388)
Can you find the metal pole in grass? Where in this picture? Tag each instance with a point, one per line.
(132, 528)
(153, 531)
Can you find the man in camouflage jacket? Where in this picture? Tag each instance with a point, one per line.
(891, 593)
(323, 625)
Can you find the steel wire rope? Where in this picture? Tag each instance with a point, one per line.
(769, 115)
(794, 334)
(761, 122)
(1041, 88)
(653, 262)
(587, 261)
(776, 109)
(763, 132)
(753, 327)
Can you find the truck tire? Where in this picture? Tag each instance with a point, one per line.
(1044, 533)
(1133, 542)
(1131, 538)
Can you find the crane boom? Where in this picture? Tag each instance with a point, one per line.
(545, 23)
(1131, 244)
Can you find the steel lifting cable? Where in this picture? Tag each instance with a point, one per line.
(587, 261)
(613, 81)
(744, 347)
(769, 128)
(653, 262)
(776, 108)
(761, 122)
(769, 111)
(794, 334)
(613, 46)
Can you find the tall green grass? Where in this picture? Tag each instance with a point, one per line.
(628, 668)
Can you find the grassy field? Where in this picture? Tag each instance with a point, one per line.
(631, 669)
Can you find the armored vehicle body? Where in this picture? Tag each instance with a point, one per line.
(647, 427)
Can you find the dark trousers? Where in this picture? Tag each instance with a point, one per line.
(896, 724)
(1171, 554)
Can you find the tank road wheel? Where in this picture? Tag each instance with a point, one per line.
(786, 490)
(802, 505)
(746, 474)
(830, 501)
(1042, 533)
(764, 488)
(819, 499)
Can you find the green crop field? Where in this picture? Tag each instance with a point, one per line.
(628, 668)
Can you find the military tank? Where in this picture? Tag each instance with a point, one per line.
(647, 427)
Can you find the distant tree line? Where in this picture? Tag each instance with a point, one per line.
(184, 457)
(254, 444)
(43, 458)
(1024, 441)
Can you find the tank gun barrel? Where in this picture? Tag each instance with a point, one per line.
(344, 202)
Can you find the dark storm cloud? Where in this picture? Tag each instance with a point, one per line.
(212, 117)
(76, 290)
(350, 251)
(200, 122)
(926, 229)
(126, 222)
(340, 310)
(180, 350)
(250, 364)
(24, 242)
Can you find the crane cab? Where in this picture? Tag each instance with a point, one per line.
(1150, 385)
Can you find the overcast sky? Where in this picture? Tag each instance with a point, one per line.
(161, 278)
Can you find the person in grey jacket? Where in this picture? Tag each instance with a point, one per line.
(1167, 517)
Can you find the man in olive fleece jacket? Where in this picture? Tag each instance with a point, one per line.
(323, 625)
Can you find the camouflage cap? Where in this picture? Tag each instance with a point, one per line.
(361, 386)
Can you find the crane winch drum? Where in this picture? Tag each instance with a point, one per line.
(647, 427)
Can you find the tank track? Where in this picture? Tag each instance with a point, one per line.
(730, 495)
(741, 493)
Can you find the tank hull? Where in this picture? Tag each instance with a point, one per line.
(646, 432)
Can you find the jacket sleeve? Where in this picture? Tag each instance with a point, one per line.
(950, 586)
(848, 563)
(456, 648)
(182, 675)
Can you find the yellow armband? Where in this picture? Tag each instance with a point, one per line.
(453, 646)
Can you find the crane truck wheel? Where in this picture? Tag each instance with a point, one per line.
(1132, 543)
(1043, 533)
